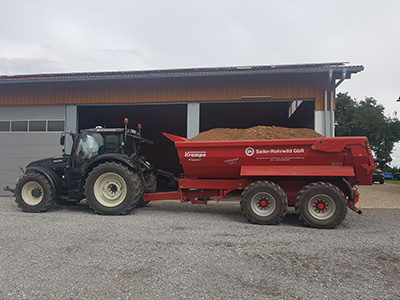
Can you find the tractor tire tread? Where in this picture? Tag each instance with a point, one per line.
(49, 203)
(138, 190)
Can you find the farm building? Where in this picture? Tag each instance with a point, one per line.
(35, 109)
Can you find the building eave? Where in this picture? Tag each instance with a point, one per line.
(336, 68)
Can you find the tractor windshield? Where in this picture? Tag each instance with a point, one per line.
(89, 144)
(107, 142)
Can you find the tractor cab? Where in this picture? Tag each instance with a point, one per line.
(109, 144)
(108, 140)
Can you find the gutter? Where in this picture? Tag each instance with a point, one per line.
(175, 73)
(329, 117)
(326, 123)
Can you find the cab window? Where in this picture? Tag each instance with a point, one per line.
(112, 143)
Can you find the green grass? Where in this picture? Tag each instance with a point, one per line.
(392, 181)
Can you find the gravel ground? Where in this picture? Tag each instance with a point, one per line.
(173, 251)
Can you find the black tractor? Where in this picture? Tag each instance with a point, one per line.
(109, 173)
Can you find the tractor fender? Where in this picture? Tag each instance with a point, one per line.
(53, 178)
(123, 159)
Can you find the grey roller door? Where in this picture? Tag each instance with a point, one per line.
(39, 134)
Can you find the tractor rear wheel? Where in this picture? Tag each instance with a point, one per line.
(34, 193)
(321, 205)
(264, 202)
(113, 189)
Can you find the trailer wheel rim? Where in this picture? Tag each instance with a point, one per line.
(321, 206)
(32, 193)
(110, 189)
(263, 204)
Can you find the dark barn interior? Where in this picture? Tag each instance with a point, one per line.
(172, 118)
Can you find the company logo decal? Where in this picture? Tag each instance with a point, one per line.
(195, 154)
(231, 161)
(249, 151)
(260, 153)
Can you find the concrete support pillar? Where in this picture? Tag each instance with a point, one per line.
(71, 124)
(193, 119)
(319, 121)
(324, 123)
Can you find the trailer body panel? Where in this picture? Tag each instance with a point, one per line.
(304, 171)
(348, 157)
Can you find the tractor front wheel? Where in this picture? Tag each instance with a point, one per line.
(113, 189)
(34, 193)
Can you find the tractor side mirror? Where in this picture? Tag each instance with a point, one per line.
(62, 140)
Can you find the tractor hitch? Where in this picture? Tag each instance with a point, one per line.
(8, 189)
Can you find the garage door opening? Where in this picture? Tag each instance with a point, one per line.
(172, 118)
(249, 114)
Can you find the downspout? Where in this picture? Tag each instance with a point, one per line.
(332, 115)
(326, 123)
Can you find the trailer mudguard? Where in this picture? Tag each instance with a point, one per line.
(308, 171)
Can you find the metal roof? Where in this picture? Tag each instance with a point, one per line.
(336, 68)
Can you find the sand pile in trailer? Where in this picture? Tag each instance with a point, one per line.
(256, 133)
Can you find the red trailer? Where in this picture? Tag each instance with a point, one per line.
(316, 176)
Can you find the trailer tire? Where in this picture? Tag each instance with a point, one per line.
(321, 205)
(264, 202)
(113, 189)
(34, 193)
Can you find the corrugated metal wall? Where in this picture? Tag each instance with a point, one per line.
(20, 148)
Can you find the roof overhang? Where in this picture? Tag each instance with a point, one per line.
(337, 69)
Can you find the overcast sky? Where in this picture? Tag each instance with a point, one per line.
(52, 36)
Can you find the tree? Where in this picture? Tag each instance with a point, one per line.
(367, 118)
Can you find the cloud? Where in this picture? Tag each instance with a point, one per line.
(27, 66)
(396, 156)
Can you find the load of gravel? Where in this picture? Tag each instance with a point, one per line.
(256, 133)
